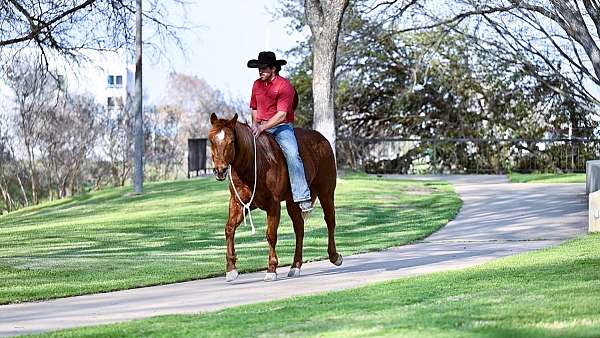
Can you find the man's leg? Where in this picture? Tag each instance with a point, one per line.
(285, 136)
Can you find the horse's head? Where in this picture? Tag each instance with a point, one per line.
(222, 144)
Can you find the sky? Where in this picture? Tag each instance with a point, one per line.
(228, 33)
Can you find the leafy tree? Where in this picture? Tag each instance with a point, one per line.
(438, 84)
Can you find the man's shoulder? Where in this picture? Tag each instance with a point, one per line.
(284, 82)
(283, 79)
(256, 86)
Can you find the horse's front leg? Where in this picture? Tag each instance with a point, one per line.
(273, 217)
(236, 214)
(296, 215)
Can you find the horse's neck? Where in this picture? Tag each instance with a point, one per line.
(244, 160)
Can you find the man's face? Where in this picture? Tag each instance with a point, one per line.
(266, 73)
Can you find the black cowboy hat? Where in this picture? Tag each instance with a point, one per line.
(266, 59)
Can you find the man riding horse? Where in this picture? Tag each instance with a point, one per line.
(257, 167)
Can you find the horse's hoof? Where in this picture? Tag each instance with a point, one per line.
(232, 275)
(294, 272)
(270, 277)
(339, 261)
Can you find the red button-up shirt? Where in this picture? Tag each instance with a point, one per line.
(270, 97)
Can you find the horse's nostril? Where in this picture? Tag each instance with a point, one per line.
(219, 172)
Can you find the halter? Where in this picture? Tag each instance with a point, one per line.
(246, 206)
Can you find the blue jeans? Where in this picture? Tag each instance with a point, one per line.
(285, 136)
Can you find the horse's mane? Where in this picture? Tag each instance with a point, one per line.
(264, 148)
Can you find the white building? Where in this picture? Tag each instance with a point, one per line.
(108, 76)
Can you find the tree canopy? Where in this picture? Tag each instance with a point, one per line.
(443, 79)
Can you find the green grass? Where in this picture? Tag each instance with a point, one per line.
(549, 293)
(108, 240)
(546, 178)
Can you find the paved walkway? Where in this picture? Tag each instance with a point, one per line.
(498, 219)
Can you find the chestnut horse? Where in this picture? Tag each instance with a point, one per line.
(232, 144)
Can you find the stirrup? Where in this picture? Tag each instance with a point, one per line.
(305, 206)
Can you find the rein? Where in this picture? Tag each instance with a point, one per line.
(246, 206)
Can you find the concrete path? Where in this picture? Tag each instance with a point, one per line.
(498, 219)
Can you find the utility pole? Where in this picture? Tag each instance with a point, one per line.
(139, 118)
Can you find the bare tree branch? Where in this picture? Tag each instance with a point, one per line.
(36, 29)
(68, 28)
(459, 18)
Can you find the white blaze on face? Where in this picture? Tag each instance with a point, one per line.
(220, 136)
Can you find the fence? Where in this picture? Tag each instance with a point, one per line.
(465, 155)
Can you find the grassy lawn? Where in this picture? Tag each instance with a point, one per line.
(549, 293)
(175, 232)
(546, 178)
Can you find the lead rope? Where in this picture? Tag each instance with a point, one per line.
(246, 206)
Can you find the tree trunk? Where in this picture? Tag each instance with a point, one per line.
(124, 174)
(31, 168)
(324, 19)
(323, 92)
(50, 173)
(73, 186)
(8, 201)
(98, 182)
(63, 188)
(23, 192)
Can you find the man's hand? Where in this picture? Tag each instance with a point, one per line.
(257, 129)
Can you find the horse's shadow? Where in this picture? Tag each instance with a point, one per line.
(405, 261)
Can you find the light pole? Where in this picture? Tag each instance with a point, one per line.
(139, 118)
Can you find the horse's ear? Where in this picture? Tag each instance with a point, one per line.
(233, 120)
(213, 118)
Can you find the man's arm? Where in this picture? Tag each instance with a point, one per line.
(278, 118)
(254, 107)
(254, 118)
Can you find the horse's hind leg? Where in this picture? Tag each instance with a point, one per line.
(296, 215)
(328, 206)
